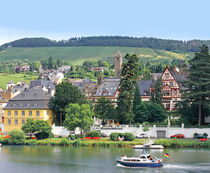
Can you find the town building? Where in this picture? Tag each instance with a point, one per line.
(145, 88)
(171, 88)
(32, 103)
(3, 103)
(108, 89)
(45, 85)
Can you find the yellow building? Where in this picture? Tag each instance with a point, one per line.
(31, 103)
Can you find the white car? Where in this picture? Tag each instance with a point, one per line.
(142, 135)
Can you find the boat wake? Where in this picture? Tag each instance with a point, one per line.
(193, 167)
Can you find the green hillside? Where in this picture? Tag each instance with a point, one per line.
(78, 54)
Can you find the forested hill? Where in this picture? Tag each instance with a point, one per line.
(119, 41)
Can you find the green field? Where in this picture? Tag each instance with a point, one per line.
(4, 78)
(78, 54)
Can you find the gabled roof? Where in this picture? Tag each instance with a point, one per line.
(30, 99)
(108, 87)
(42, 83)
(144, 86)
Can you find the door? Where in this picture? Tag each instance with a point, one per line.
(161, 134)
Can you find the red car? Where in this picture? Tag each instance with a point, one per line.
(177, 136)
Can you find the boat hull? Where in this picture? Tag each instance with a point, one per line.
(133, 164)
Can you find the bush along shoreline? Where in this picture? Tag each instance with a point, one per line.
(167, 143)
(93, 139)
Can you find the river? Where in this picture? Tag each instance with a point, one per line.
(47, 159)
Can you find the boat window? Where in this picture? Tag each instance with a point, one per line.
(143, 157)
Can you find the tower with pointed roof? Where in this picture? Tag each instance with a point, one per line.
(117, 64)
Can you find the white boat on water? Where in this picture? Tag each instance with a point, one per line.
(146, 146)
(144, 160)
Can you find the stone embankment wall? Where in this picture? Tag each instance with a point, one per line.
(156, 131)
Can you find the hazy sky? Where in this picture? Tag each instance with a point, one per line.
(62, 19)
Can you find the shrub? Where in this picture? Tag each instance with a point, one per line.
(195, 135)
(93, 134)
(128, 137)
(205, 134)
(114, 136)
(71, 137)
(64, 142)
(146, 129)
(42, 135)
(137, 125)
(76, 143)
(16, 137)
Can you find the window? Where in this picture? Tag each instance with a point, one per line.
(47, 112)
(23, 113)
(167, 75)
(9, 113)
(166, 93)
(37, 113)
(30, 113)
(23, 122)
(16, 122)
(171, 84)
(167, 106)
(175, 93)
(16, 113)
(9, 122)
(163, 83)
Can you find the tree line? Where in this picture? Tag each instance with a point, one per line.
(121, 41)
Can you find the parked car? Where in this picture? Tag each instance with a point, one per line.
(200, 136)
(142, 135)
(103, 135)
(177, 136)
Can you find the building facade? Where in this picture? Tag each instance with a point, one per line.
(29, 104)
(171, 88)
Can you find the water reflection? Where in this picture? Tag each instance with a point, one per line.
(48, 159)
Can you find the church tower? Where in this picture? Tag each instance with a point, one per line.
(117, 64)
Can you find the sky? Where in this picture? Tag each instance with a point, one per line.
(63, 19)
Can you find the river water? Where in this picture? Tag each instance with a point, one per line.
(46, 159)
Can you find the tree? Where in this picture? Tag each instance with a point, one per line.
(127, 85)
(156, 112)
(59, 62)
(150, 112)
(156, 96)
(146, 73)
(50, 63)
(65, 94)
(137, 98)
(198, 84)
(40, 127)
(141, 112)
(78, 116)
(29, 127)
(104, 109)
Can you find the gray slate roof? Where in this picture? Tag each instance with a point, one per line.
(144, 86)
(30, 99)
(40, 83)
(108, 87)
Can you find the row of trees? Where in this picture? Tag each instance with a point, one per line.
(171, 45)
(50, 63)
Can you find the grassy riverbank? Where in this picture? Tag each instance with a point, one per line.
(106, 142)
